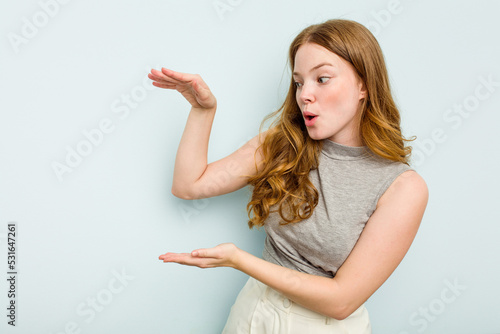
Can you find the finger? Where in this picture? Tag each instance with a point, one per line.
(163, 256)
(181, 77)
(188, 260)
(159, 76)
(196, 87)
(204, 253)
(154, 77)
(169, 256)
(162, 85)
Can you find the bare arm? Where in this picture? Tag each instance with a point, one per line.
(193, 176)
(382, 245)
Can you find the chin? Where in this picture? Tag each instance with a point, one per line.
(315, 136)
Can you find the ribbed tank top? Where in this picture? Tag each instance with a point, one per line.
(350, 181)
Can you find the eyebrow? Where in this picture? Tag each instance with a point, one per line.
(315, 67)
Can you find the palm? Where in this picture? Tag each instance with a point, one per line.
(191, 86)
(223, 255)
(189, 94)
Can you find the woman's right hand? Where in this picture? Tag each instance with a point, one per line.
(191, 86)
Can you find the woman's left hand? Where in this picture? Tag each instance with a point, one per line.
(223, 255)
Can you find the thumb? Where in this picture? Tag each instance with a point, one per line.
(201, 91)
(199, 253)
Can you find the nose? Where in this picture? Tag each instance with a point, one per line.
(305, 94)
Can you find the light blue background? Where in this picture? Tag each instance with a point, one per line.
(114, 211)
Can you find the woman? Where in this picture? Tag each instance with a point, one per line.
(331, 185)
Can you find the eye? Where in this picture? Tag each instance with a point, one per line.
(297, 84)
(323, 80)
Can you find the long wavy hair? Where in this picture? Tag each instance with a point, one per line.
(289, 154)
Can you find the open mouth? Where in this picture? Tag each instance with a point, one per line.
(309, 116)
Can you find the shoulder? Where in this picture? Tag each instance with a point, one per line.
(387, 175)
(409, 188)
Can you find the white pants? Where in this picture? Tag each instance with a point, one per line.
(261, 310)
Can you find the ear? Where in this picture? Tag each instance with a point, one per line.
(363, 93)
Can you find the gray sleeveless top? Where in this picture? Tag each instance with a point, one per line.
(350, 181)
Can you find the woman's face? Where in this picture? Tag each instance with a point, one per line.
(328, 94)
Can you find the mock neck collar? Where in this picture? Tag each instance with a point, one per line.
(343, 152)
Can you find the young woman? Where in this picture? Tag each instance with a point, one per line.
(331, 185)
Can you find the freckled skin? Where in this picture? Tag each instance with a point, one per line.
(333, 92)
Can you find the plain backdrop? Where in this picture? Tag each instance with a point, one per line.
(88, 147)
